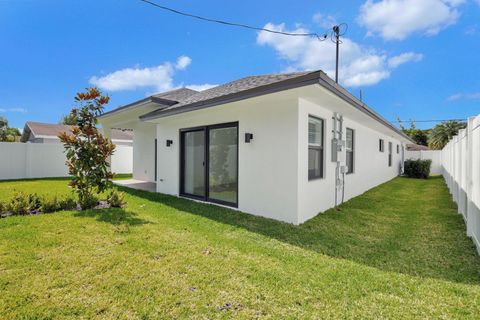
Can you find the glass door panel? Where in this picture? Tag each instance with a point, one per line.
(222, 164)
(194, 163)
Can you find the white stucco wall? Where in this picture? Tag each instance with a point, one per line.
(267, 176)
(273, 168)
(144, 151)
(370, 165)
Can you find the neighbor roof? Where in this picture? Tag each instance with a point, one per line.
(416, 147)
(49, 130)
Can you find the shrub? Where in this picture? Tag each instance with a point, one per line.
(87, 201)
(2, 207)
(419, 169)
(116, 199)
(50, 204)
(21, 203)
(68, 203)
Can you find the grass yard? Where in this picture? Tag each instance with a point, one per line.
(398, 251)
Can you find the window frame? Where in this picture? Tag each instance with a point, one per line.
(352, 151)
(321, 148)
(390, 154)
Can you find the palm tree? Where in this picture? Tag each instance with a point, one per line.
(443, 132)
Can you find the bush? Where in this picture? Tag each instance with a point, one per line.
(419, 169)
(2, 207)
(116, 199)
(87, 201)
(68, 203)
(22, 204)
(50, 204)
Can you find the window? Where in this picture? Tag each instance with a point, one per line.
(350, 147)
(381, 145)
(398, 149)
(315, 148)
(390, 147)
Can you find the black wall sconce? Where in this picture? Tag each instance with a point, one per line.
(248, 137)
(169, 143)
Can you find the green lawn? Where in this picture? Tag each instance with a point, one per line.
(398, 251)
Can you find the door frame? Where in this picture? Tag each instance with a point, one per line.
(206, 155)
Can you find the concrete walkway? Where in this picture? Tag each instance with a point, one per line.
(137, 184)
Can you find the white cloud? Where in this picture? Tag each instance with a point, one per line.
(13, 110)
(183, 62)
(159, 77)
(201, 87)
(397, 19)
(325, 21)
(464, 96)
(396, 61)
(359, 66)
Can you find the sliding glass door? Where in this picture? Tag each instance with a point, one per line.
(209, 163)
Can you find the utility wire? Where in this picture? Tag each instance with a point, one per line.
(312, 34)
(410, 120)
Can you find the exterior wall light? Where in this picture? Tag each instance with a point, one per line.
(169, 143)
(248, 137)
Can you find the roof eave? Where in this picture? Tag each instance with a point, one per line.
(160, 101)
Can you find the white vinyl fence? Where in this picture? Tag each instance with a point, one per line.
(434, 155)
(41, 160)
(461, 169)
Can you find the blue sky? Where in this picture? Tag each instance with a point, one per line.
(419, 64)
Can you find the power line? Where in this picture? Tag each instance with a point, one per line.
(241, 25)
(410, 120)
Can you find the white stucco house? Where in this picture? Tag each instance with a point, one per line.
(282, 146)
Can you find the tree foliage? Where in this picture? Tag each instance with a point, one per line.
(69, 119)
(418, 135)
(87, 150)
(443, 132)
(7, 134)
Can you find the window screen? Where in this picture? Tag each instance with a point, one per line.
(350, 148)
(315, 148)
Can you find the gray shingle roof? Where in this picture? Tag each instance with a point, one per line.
(230, 88)
(178, 95)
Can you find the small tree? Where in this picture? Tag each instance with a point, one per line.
(87, 150)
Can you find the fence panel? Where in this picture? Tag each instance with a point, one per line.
(42, 160)
(461, 170)
(434, 155)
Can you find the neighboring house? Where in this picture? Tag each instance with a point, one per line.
(283, 146)
(37, 132)
(416, 147)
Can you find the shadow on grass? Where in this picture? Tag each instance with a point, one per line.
(115, 216)
(393, 227)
